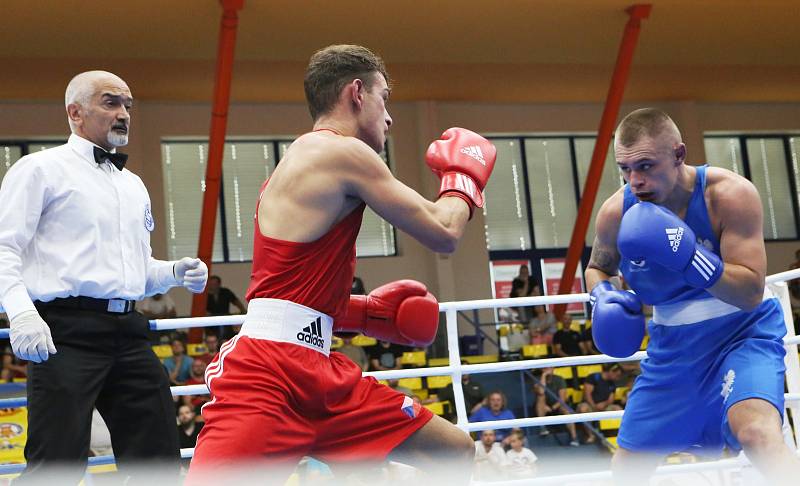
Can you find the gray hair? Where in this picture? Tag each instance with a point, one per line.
(81, 88)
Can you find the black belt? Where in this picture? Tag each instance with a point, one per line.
(114, 306)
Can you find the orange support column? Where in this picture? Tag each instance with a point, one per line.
(613, 101)
(216, 144)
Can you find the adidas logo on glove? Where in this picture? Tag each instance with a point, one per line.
(312, 334)
(475, 152)
(675, 235)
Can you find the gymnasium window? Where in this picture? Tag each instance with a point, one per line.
(12, 151)
(534, 192)
(245, 166)
(533, 195)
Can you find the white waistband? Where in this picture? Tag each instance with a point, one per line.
(285, 321)
(693, 311)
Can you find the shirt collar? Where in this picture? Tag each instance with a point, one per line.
(84, 148)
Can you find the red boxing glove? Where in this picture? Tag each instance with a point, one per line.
(463, 160)
(401, 312)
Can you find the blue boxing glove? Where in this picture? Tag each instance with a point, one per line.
(617, 320)
(651, 232)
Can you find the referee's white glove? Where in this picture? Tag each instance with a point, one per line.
(30, 337)
(191, 273)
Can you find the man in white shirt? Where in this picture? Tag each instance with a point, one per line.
(490, 458)
(74, 256)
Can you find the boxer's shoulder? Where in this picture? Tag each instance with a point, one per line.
(610, 213)
(728, 192)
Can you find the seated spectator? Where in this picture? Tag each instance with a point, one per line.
(586, 342)
(566, 341)
(179, 366)
(13, 367)
(188, 428)
(490, 459)
(219, 303)
(551, 401)
(212, 348)
(355, 353)
(197, 377)
(158, 306)
(473, 396)
(385, 356)
(494, 408)
(598, 394)
(520, 461)
(543, 326)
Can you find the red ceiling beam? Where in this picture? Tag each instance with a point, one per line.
(636, 13)
(216, 144)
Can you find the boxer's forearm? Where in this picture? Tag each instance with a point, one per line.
(739, 286)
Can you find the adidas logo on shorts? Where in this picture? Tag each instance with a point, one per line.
(674, 235)
(475, 152)
(312, 334)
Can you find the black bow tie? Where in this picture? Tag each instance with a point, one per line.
(117, 159)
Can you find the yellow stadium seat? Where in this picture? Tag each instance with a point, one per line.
(364, 341)
(534, 350)
(575, 395)
(336, 342)
(575, 325)
(163, 350)
(196, 349)
(481, 358)
(586, 370)
(103, 468)
(19, 380)
(646, 340)
(610, 424)
(564, 372)
(438, 362)
(413, 358)
(620, 393)
(613, 442)
(439, 381)
(422, 393)
(436, 407)
(587, 324)
(410, 383)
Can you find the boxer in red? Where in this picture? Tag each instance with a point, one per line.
(278, 392)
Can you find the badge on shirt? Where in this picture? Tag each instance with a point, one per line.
(149, 222)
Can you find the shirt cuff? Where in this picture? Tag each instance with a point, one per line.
(164, 276)
(17, 301)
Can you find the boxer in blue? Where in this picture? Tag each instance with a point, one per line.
(689, 241)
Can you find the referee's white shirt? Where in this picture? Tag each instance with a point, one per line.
(72, 227)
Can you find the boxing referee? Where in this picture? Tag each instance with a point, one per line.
(74, 256)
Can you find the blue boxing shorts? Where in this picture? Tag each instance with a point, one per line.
(703, 357)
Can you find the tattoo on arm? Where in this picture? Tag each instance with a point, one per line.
(603, 260)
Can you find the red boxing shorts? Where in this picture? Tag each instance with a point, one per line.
(278, 395)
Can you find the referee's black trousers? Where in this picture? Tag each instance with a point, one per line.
(103, 360)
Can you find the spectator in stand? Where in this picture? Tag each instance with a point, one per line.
(598, 394)
(473, 396)
(13, 367)
(221, 298)
(219, 303)
(551, 397)
(566, 341)
(197, 377)
(524, 286)
(179, 365)
(494, 408)
(543, 326)
(358, 287)
(490, 459)
(158, 306)
(188, 428)
(212, 348)
(520, 461)
(355, 353)
(586, 342)
(385, 356)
